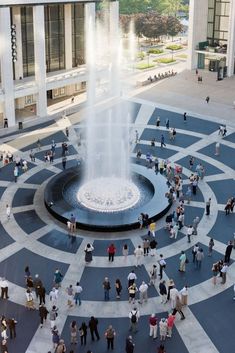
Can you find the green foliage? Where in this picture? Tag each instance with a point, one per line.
(150, 25)
(144, 66)
(141, 55)
(173, 26)
(169, 7)
(155, 51)
(174, 47)
(165, 60)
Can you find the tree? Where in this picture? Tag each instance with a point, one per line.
(125, 23)
(172, 7)
(173, 26)
(151, 25)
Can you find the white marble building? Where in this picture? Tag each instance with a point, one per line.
(42, 53)
(212, 36)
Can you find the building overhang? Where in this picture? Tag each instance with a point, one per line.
(211, 54)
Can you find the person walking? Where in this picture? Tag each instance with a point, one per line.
(163, 141)
(184, 295)
(134, 316)
(77, 294)
(29, 300)
(153, 326)
(64, 161)
(55, 337)
(53, 315)
(43, 314)
(58, 278)
(217, 149)
(11, 324)
(53, 295)
(42, 295)
(111, 252)
(118, 287)
(107, 287)
(146, 247)
(207, 99)
(210, 246)
(69, 291)
(4, 288)
(110, 334)
(224, 271)
(73, 223)
(132, 292)
(93, 326)
(143, 290)
(83, 333)
(215, 272)
(125, 251)
(139, 253)
(162, 266)
(8, 212)
(178, 308)
(189, 233)
(152, 228)
(194, 252)
(131, 278)
(182, 261)
(61, 347)
(153, 245)
(88, 253)
(153, 275)
(228, 252)
(67, 132)
(199, 258)
(163, 292)
(129, 345)
(185, 117)
(73, 332)
(195, 225)
(208, 206)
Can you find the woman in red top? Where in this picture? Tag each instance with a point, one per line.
(111, 252)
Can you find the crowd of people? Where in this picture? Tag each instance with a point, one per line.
(161, 76)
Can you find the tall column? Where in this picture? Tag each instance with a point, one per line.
(7, 65)
(40, 58)
(197, 32)
(231, 39)
(115, 46)
(90, 51)
(68, 36)
(17, 21)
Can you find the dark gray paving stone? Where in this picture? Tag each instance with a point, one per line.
(225, 154)
(223, 229)
(5, 237)
(181, 140)
(61, 241)
(192, 276)
(69, 164)
(159, 152)
(216, 315)
(23, 197)
(163, 237)
(29, 221)
(177, 121)
(223, 189)
(198, 197)
(40, 177)
(31, 128)
(209, 168)
(37, 264)
(143, 343)
(58, 137)
(191, 213)
(96, 276)
(6, 172)
(58, 152)
(2, 189)
(230, 137)
(27, 324)
(101, 246)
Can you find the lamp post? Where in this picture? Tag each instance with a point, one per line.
(148, 58)
(172, 54)
(13, 47)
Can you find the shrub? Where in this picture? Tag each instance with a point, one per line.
(141, 55)
(144, 66)
(165, 60)
(174, 47)
(155, 51)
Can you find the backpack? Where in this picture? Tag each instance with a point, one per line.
(134, 317)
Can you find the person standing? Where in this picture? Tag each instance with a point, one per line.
(53, 315)
(58, 278)
(170, 324)
(73, 332)
(146, 247)
(67, 131)
(153, 245)
(194, 252)
(69, 291)
(83, 333)
(153, 326)
(199, 258)
(111, 252)
(207, 99)
(4, 288)
(163, 292)
(42, 295)
(43, 314)
(11, 323)
(185, 117)
(167, 123)
(210, 246)
(73, 223)
(228, 252)
(153, 275)
(93, 326)
(134, 316)
(64, 161)
(61, 347)
(132, 292)
(107, 287)
(29, 300)
(55, 337)
(215, 272)
(158, 121)
(189, 233)
(88, 253)
(184, 295)
(138, 252)
(53, 295)
(16, 173)
(4, 348)
(163, 329)
(182, 261)
(143, 290)
(224, 271)
(217, 149)
(131, 278)
(163, 141)
(77, 294)
(152, 228)
(125, 251)
(129, 345)
(162, 265)
(208, 206)
(195, 225)
(110, 334)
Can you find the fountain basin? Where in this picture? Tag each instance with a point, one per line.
(61, 200)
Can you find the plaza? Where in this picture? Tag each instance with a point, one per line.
(33, 237)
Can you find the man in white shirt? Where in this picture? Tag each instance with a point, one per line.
(134, 316)
(139, 253)
(77, 293)
(4, 288)
(131, 278)
(143, 289)
(189, 233)
(53, 295)
(8, 212)
(224, 271)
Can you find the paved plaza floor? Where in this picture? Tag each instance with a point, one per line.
(32, 237)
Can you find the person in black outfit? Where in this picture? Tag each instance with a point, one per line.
(83, 333)
(129, 345)
(93, 323)
(42, 295)
(228, 251)
(11, 323)
(43, 314)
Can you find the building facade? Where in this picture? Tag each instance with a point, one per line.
(212, 36)
(42, 53)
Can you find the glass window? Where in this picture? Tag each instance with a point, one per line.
(27, 40)
(78, 34)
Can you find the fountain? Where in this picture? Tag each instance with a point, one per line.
(107, 192)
